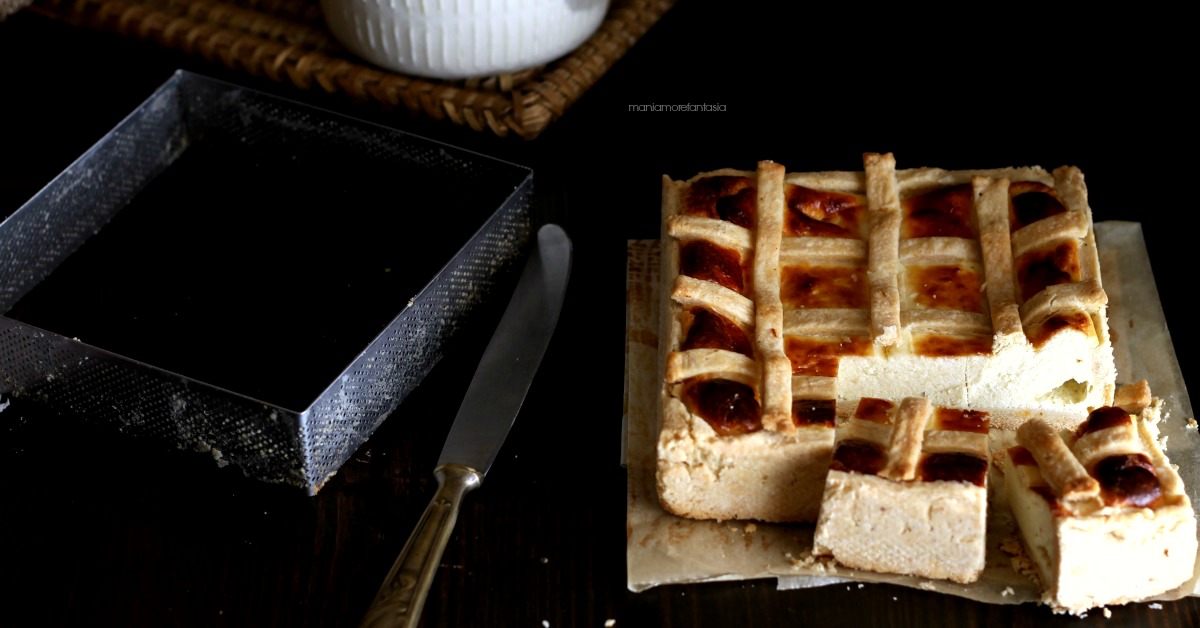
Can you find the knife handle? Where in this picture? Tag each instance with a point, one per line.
(402, 596)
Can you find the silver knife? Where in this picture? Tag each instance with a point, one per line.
(484, 418)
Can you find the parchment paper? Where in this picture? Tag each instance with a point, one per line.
(665, 549)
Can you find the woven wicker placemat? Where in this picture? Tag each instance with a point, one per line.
(287, 41)
(8, 7)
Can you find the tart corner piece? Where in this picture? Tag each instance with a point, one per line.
(1101, 511)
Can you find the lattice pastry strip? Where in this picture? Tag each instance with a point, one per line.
(884, 202)
(992, 214)
(775, 387)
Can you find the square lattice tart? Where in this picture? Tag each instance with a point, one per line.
(788, 297)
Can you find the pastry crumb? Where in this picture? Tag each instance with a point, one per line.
(1007, 592)
(1020, 560)
(1192, 423)
(609, 623)
(807, 561)
(927, 585)
(751, 528)
(1156, 606)
(1012, 546)
(1107, 613)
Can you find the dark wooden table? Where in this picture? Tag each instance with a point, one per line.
(97, 529)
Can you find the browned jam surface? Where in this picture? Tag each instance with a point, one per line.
(704, 260)
(858, 456)
(1047, 266)
(953, 467)
(1032, 201)
(960, 420)
(713, 331)
(1128, 480)
(728, 406)
(1103, 418)
(813, 412)
(1075, 320)
(874, 410)
(726, 197)
(946, 287)
(947, 212)
(823, 214)
(938, 346)
(824, 286)
(1021, 457)
(819, 356)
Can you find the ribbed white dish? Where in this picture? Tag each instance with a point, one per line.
(451, 39)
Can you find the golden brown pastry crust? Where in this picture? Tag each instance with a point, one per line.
(908, 435)
(1061, 470)
(775, 385)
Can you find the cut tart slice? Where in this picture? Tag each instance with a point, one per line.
(907, 491)
(1102, 513)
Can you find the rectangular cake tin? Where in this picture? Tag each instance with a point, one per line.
(234, 272)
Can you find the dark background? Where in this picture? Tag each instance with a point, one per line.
(98, 530)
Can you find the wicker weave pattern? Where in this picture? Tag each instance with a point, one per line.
(287, 41)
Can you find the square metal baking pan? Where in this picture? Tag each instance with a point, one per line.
(233, 272)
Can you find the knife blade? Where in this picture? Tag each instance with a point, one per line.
(488, 411)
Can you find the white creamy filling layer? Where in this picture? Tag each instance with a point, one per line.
(1067, 375)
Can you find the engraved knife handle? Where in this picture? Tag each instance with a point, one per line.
(402, 596)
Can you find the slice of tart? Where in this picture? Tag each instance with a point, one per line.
(907, 491)
(1102, 513)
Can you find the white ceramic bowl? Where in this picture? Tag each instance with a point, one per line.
(453, 39)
